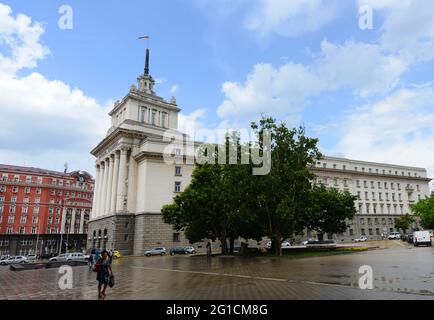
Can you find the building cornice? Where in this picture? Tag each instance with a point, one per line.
(118, 132)
(372, 174)
(361, 162)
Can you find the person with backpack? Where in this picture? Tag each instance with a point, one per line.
(104, 274)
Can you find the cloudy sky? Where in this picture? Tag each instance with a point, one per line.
(366, 93)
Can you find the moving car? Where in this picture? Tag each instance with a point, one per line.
(361, 239)
(156, 251)
(14, 260)
(394, 236)
(422, 238)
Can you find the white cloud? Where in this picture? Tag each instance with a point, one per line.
(290, 18)
(397, 129)
(43, 122)
(22, 38)
(174, 89)
(284, 91)
(408, 27)
(191, 122)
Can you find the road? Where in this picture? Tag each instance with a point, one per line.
(400, 271)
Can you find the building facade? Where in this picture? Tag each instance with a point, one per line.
(384, 192)
(134, 180)
(43, 211)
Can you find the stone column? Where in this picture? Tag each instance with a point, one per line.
(100, 189)
(109, 185)
(95, 193)
(104, 190)
(82, 221)
(72, 228)
(62, 227)
(121, 182)
(115, 183)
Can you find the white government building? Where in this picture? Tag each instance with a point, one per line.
(133, 181)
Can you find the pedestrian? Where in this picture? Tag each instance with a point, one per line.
(90, 261)
(104, 274)
(208, 248)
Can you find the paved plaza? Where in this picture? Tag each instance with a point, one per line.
(400, 272)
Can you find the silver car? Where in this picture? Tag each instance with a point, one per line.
(156, 251)
(74, 256)
(14, 260)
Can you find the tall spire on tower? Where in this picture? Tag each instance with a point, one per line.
(147, 62)
(145, 81)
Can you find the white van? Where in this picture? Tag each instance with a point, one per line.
(422, 238)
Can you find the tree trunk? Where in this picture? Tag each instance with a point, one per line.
(224, 246)
(277, 241)
(231, 245)
(320, 236)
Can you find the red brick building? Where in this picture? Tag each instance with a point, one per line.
(42, 210)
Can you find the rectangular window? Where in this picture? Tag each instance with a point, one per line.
(363, 232)
(1, 208)
(12, 209)
(2, 198)
(27, 190)
(379, 185)
(14, 189)
(26, 200)
(10, 230)
(35, 220)
(351, 232)
(36, 210)
(39, 180)
(2, 188)
(25, 209)
(177, 171)
(33, 230)
(23, 220)
(28, 179)
(163, 119)
(176, 237)
(370, 231)
(358, 183)
(377, 231)
(11, 219)
(177, 186)
(14, 199)
(5, 178)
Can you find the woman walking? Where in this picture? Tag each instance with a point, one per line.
(104, 273)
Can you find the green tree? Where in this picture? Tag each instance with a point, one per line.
(404, 222)
(424, 209)
(329, 211)
(282, 196)
(215, 205)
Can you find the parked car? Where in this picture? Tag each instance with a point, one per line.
(284, 245)
(32, 257)
(47, 255)
(178, 250)
(305, 242)
(156, 251)
(14, 260)
(5, 257)
(422, 238)
(361, 239)
(190, 250)
(73, 256)
(410, 238)
(394, 236)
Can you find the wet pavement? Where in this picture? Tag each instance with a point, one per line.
(400, 271)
